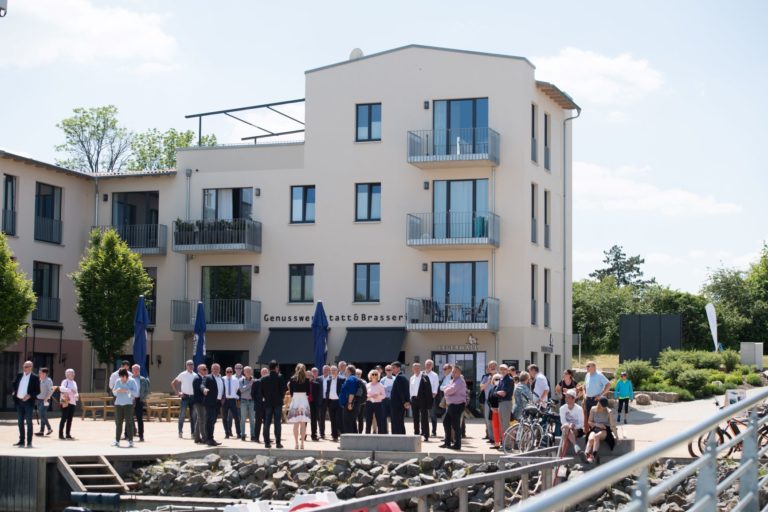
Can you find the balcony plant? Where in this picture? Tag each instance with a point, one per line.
(184, 232)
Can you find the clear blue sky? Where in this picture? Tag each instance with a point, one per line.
(669, 155)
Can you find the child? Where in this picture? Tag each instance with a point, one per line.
(625, 394)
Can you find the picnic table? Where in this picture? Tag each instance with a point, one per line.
(94, 403)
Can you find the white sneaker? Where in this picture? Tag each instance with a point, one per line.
(115, 443)
(130, 444)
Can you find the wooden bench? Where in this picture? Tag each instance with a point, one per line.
(93, 403)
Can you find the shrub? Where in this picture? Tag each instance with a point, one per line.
(744, 369)
(702, 359)
(637, 370)
(672, 369)
(714, 375)
(735, 379)
(713, 389)
(729, 385)
(754, 379)
(683, 394)
(731, 359)
(692, 380)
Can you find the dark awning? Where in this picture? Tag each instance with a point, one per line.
(372, 344)
(288, 346)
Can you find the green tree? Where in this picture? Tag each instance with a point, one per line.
(597, 306)
(153, 150)
(17, 300)
(664, 300)
(626, 270)
(93, 140)
(108, 284)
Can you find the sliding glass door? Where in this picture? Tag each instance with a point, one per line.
(460, 208)
(460, 126)
(460, 290)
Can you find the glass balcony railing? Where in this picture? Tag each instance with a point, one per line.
(142, 238)
(48, 230)
(460, 147)
(220, 315)
(199, 236)
(47, 309)
(432, 314)
(452, 229)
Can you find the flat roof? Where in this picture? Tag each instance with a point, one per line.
(82, 174)
(423, 47)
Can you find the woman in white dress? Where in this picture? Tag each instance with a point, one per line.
(298, 411)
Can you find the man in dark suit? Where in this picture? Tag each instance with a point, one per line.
(421, 403)
(315, 400)
(332, 390)
(200, 430)
(213, 389)
(400, 399)
(258, 404)
(272, 389)
(26, 387)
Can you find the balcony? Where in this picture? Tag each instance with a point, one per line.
(142, 238)
(48, 230)
(201, 236)
(221, 315)
(460, 147)
(429, 315)
(452, 229)
(547, 322)
(47, 309)
(9, 222)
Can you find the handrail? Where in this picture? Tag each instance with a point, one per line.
(574, 491)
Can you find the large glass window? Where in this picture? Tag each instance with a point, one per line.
(460, 208)
(367, 282)
(460, 126)
(547, 137)
(547, 218)
(460, 290)
(534, 132)
(301, 282)
(9, 205)
(227, 282)
(534, 213)
(547, 285)
(303, 204)
(48, 213)
(534, 293)
(227, 203)
(368, 201)
(368, 122)
(45, 284)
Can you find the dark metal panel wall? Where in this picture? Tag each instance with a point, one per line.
(645, 336)
(22, 484)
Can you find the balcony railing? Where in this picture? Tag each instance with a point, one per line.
(142, 238)
(220, 315)
(199, 236)
(547, 241)
(459, 147)
(546, 315)
(534, 313)
(431, 314)
(48, 230)
(546, 158)
(47, 309)
(534, 149)
(534, 230)
(452, 229)
(152, 312)
(9, 222)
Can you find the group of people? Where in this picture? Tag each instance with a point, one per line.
(34, 391)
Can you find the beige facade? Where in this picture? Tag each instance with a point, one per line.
(457, 198)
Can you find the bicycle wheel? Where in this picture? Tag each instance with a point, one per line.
(721, 437)
(517, 439)
(537, 433)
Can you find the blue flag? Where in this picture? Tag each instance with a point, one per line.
(199, 357)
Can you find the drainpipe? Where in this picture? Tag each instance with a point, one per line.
(95, 223)
(188, 174)
(493, 254)
(565, 231)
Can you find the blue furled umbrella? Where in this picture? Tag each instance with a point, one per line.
(320, 334)
(199, 357)
(140, 336)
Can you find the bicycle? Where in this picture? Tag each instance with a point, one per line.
(529, 433)
(723, 434)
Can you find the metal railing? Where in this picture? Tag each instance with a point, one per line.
(534, 467)
(152, 312)
(142, 238)
(457, 144)
(195, 236)
(546, 158)
(453, 228)
(707, 486)
(9, 222)
(431, 314)
(547, 240)
(534, 230)
(220, 315)
(48, 230)
(534, 149)
(546, 314)
(47, 309)
(534, 312)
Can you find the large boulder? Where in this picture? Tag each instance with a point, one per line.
(642, 399)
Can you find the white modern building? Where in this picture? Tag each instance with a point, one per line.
(428, 205)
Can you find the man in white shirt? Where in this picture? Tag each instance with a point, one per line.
(435, 381)
(539, 384)
(114, 377)
(186, 393)
(572, 420)
(229, 409)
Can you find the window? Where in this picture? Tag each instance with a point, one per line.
(534, 132)
(368, 201)
(547, 291)
(460, 126)
(9, 205)
(367, 282)
(534, 293)
(303, 204)
(547, 218)
(368, 122)
(460, 208)
(151, 298)
(45, 283)
(224, 292)
(534, 213)
(547, 137)
(48, 213)
(460, 290)
(300, 285)
(227, 203)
